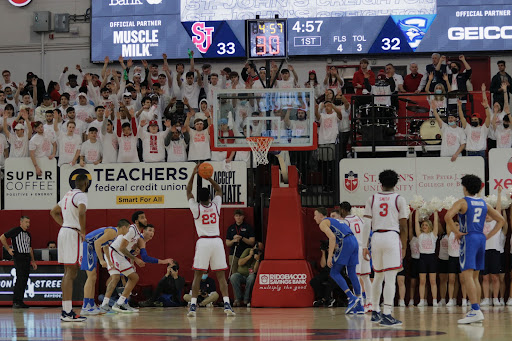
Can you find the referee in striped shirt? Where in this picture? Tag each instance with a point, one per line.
(23, 256)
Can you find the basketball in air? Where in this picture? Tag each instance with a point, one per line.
(205, 170)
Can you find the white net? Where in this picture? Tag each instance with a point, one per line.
(260, 146)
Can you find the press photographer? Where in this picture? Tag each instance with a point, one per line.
(169, 290)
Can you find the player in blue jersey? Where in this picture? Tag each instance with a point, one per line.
(472, 211)
(93, 246)
(343, 251)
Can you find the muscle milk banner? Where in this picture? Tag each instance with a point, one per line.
(24, 189)
(132, 185)
(429, 176)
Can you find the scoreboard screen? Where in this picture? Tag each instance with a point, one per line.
(145, 29)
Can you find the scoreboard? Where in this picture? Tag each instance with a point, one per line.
(145, 29)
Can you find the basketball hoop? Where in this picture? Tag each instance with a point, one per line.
(260, 145)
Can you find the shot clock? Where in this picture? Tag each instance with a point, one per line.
(266, 38)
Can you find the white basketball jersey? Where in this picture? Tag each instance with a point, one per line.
(69, 207)
(356, 225)
(206, 218)
(386, 209)
(132, 237)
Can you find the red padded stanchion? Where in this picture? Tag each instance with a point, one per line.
(283, 277)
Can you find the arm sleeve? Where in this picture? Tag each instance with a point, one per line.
(146, 258)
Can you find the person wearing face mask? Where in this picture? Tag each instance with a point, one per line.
(207, 295)
(453, 137)
(439, 95)
(476, 132)
(502, 132)
(458, 81)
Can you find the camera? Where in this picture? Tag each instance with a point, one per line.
(324, 245)
(175, 267)
(256, 251)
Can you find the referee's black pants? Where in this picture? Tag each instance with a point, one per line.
(22, 266)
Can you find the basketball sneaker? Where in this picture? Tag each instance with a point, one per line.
(368, 307)
(228, 310)
(90, 311)
(376, 316)
(124, 308)
(331, 303)
(472, 316)
(71, 317)
(359, 310)
(451, 303)
(389, 321)
(105, 309)
(352, 303)
(192, 310)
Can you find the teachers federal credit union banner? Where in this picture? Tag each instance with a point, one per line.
(149, 185)
(24, 189)
(427, 176)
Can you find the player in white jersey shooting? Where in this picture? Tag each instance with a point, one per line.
(72, 207)
(363, 269)
(209, 248)
(386, 214)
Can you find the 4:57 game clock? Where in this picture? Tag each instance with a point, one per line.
(266, 38)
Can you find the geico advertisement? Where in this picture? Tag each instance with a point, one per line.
(25, 189)
(470, 28)
(137, 185)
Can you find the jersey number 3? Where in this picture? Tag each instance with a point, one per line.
(209, 218)
(384, 210)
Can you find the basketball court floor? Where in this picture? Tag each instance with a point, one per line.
(426, 323)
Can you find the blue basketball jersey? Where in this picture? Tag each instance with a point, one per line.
(91, 237)
(474, 218)
(340, 230)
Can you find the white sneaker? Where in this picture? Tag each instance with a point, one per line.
(368, 307)
(485, 302)
(422, 303)
(464, 302)
(451, 303)
(411, 303)
(502, 301)
(89, 311)
(124, 308)
(509, 301)
(434, 303)
(472, 316)
(401, 303)
(496, 302)
(442, 302)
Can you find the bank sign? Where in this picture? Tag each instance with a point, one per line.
(151, 185)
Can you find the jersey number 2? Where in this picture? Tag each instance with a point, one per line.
(384, 210)
(209, 219)
(476, 216)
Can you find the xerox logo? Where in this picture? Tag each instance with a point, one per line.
(480, 33)
(133, 2)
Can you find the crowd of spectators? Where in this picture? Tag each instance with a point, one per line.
(155, 113)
